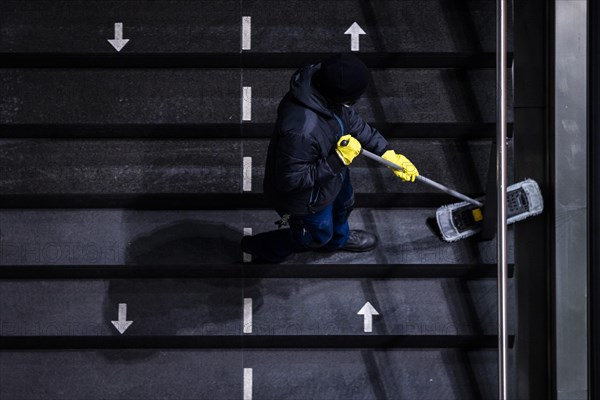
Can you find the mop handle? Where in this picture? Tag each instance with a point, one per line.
(423, 179)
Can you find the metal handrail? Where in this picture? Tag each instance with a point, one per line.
(501, 53)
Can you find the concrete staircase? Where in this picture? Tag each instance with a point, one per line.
(129, 177)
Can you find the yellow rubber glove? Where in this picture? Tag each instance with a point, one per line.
(410, 172)
(348, 148)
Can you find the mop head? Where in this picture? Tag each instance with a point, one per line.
(461, 220)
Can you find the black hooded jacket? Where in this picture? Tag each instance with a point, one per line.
(303, 172)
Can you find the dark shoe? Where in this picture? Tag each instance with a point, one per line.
(251, 245)
(359, 241)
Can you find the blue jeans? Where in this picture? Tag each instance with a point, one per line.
(326, 229)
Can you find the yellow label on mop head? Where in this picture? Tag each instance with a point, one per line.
(477, 214)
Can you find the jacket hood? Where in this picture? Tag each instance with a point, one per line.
(303, 91)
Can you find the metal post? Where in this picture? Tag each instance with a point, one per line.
(501, 63)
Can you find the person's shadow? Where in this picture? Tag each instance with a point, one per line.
(175, 307)
(186, 242)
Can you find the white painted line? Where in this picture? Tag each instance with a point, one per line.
(247, 103)
(247, 174)
(122, 324)
(247, 383)
(368, 311)
(355, 31)
(247, 257)
(118, 42)
(246, 33)
(247, 315)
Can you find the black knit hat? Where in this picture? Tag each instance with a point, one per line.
(342, 78)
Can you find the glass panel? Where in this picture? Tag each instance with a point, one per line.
(571, 199)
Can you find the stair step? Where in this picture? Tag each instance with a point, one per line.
(235, 130)
(155, 96)
(280, 306)
(182, 26)
(466, 342)
(125, 169)
(248, 270)
(219, 374)
(186, 201)
(175, 237)
(422, 59)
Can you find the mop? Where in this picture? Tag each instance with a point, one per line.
(461, 220)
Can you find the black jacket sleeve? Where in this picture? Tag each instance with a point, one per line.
(369, 137)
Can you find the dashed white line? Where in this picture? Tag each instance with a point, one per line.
(246, 33)
(247, 103)
(247, 315)
(247, 174)
(247, 257)
(247, 383)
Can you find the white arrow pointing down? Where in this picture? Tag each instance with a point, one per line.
(122, 324)
(368, 311)
(118, 42)
(355, 31)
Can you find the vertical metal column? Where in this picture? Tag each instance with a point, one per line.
(501, 63)
(593, 155)
(594, 198)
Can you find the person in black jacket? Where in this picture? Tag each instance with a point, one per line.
(316, 137)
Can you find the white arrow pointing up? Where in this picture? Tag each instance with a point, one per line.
(355, 31)
(368, 311)
(122, 324)
(118, 42)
